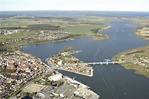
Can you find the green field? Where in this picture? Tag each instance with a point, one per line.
(16, 35)
(81, 29)
(74, 24)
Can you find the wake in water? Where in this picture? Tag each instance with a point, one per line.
(106, 44)
(107, 82)
(102, 76)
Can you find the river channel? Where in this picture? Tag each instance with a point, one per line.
(109, 81)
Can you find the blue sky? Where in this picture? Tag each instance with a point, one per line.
(101, 5)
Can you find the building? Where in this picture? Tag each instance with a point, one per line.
(55, 77)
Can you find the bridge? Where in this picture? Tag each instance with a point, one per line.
(105, 63)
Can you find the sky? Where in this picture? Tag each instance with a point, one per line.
(97, 5)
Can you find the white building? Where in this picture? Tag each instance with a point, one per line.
(59, 62)
(55, 77)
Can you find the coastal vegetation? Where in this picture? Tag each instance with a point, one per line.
(143, 29)
(67, 48)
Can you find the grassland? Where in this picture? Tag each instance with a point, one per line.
(82, 29)
(143, 29)
(86, 30)
(21, 35)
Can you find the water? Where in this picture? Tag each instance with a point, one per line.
(109, 81)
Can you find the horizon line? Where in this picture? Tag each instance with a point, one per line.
(75, 10)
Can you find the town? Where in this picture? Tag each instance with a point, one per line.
(18, 68)
(23, 73)
(65, 61)
(36, 36)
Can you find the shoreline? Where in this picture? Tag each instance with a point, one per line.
(133, 62)
(77, 72)
(139, 57)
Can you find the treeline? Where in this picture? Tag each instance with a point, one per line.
(67, 48)
(144, 26)
(46, 17)
(13, 28)
(43, 27)
(69, 36)
(34, 27)
(6, 16)
(140, 51)
(95, 30)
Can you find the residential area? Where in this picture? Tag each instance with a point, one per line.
(16, 69)
(65, 61)
(8, 32)
(31, 36)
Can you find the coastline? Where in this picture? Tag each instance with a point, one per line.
(99, 35)
(136, 59)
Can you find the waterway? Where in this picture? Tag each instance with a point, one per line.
(109, 81)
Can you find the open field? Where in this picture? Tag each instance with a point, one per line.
(141, 21)
(33, 88)
(82, 29)
(59, 20)
(16, 35)
(75, 24)
(143, 29)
